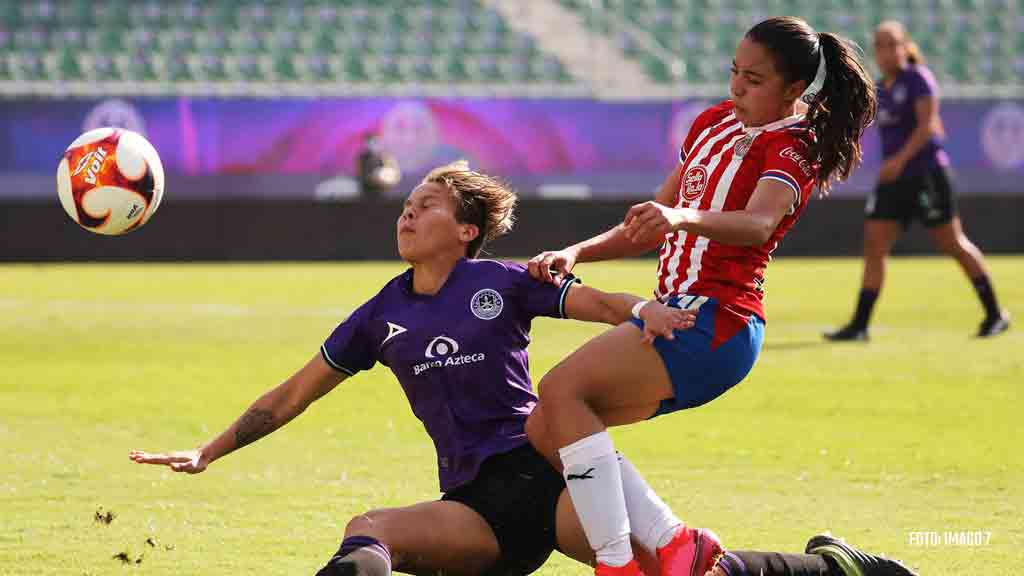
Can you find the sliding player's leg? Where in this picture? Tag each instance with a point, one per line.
(573, 542)
(826, 556)
(425, 538)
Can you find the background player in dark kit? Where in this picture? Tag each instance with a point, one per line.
(915, 182)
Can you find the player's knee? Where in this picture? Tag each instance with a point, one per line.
(875, 251)
(372, 523)
(535, 428)
(952, 246)
(559, 387)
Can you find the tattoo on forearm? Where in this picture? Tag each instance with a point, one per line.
(253, 425)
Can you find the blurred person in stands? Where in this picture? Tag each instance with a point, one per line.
(914, 183)
(376, 170)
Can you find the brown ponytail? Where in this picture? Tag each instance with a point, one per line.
(914, 55)
(845, 105)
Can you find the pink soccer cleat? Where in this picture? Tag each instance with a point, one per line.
(692, 552)
(631, 569)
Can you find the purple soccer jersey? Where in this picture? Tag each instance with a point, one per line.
(460, 356)
(897, 120)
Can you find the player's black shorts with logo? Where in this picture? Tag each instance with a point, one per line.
(928, 197)
(516, 493)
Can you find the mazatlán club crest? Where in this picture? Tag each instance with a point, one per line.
(486, 304)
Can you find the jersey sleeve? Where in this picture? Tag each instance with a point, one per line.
(921, 84)
(702, 121)
(349, 348)
(536, 298)
(786, 162)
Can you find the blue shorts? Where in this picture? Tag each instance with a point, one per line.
(699, 374)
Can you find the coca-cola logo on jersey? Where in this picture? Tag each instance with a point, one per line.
(796, 157)
(694, 182)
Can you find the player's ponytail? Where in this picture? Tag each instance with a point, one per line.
(840, 111)
(844, 105)
(914, 55)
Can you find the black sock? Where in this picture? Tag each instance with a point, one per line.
(748, 563)
(865, 304)
(983, 286)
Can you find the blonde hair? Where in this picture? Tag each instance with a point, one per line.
(481, 200)
(898, 30)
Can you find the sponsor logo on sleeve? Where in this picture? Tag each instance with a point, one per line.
(797, 158)
(694, 182)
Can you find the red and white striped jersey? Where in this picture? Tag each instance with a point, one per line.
(722, 163)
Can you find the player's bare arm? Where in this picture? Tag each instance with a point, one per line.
(752, 226)
(269, 412)
(593, 305)
(553, 265)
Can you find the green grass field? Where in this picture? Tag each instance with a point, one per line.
(917, 431)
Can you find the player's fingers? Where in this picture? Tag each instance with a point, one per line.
(561, 271)
(638, 213)
(647, 229)
(659, 329)
(540, 264)
(159, 457)
(545, 268)
(533, 266)
(651, 218)
(640, 228)
(190, 465)
(633, 212)
(149, 457)
(685, 318)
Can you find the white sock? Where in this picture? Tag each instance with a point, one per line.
(594, 482)
(651, 520)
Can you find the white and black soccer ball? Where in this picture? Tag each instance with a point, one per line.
(110, 181)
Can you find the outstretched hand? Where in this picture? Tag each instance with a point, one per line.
(650, 221)
(188, 461)
(661, 320)
(552, 266)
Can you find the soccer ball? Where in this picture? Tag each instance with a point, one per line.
(110, 181)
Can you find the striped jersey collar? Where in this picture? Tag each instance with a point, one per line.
(777, 125)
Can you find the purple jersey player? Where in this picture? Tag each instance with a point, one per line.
(454, 331)
(914, 183)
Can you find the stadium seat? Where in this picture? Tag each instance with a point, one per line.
(968, 43)
(954, 34)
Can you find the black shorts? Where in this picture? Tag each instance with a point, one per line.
(928, 197)
(516, 493)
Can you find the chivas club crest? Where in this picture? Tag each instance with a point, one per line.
(743, 146)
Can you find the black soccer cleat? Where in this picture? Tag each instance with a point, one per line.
(853, 562)
(338, 567)
(994, 325)
(848, 333)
